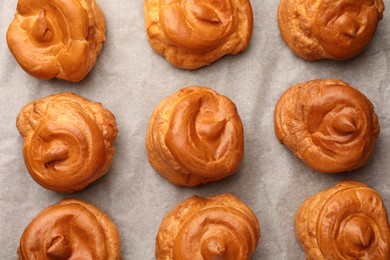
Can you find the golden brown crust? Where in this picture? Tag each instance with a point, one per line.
(219, 227)
(195, 136)
(347, 221)
(329, 125)
(70, 229)
(68, 141)
(328, 29)
(193, 33)
(57, 39)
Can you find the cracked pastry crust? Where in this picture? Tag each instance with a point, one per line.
(68, 141)
(195, 136)
(328, 29)
(219, 227)
(347, 221)
(57, 39)
(329, 125)
(71, 229)
(193, 33)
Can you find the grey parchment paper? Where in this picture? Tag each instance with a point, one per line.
(130, 80)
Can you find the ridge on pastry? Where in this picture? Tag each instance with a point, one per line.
(329, 125)
(57, 39)
(71, 229)
(328, 29)
(218, 227)
(193, 33)
(68, 141)
(346, 221)
(195, 136)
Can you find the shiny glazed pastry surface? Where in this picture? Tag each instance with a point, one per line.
(347, 221)
(57, 39)
(71, 229)
(195, 136)
(67, 141)
(220, 227)
(329, 125)
(194, 33)
(328, 29)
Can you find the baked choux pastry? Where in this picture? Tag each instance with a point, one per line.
(329, 125)
(71, 229)
(57, 39)
(328, 29)
(220, 227)
(347, 221)
(68, 141)
(195, 136)
(193, 33)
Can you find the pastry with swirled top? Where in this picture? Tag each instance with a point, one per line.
(57, 39)
(328, 29)
(71, 229)
(220, 227)
(193, 33)
(348, 221)
(195, 136)
(329, 125)
(68, 141)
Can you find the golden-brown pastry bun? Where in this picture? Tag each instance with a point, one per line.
(68, 141)
(329, 125)
(57, 39)
(219, 227)
(328, 29)
(195, 136)
(71, 229)
(347, 221)
(193, 33)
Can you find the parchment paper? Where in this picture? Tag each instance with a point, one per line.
(130, 80)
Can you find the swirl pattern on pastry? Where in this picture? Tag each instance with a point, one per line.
(328, 29)
(347, 221)
(195, 136)
(219, 227)
(57, 39)
(328, 124)
(194, 33)
(67, 141)
(71, 229)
